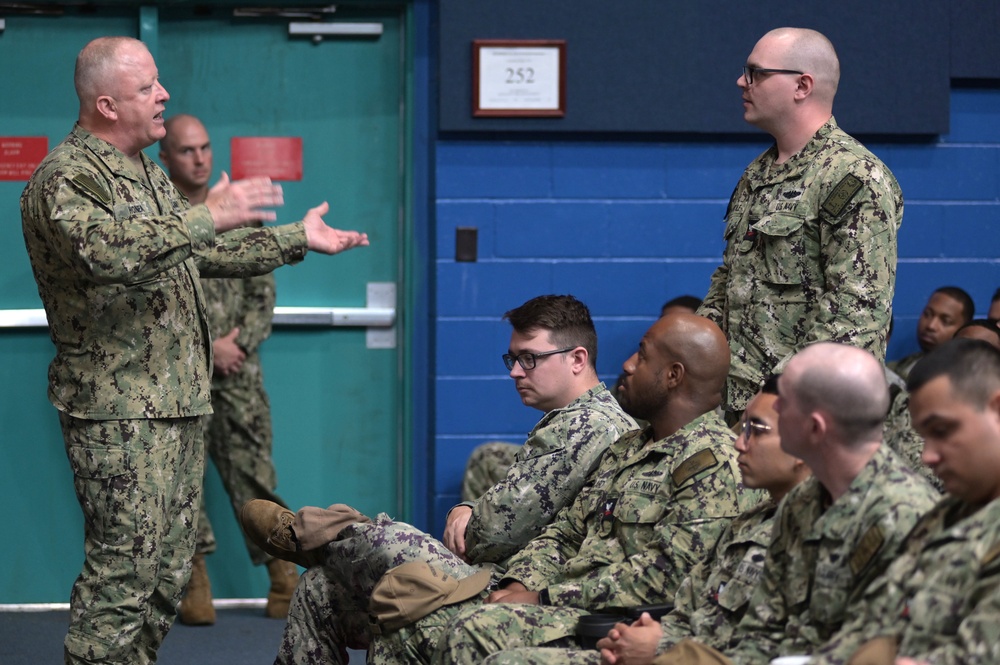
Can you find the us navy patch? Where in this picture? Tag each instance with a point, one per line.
(693, 465)
(867, 548)
(841, 195)
(86, 181)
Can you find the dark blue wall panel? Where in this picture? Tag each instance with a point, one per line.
(671, 65)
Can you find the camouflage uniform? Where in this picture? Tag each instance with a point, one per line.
(238, 435)
(823, 556)
(904, 440)
(552, 465)
(904, 366)
(548, 472)
(708, 604)
(650, 512)
(329, 609)
(116, 254)
(941, 597)
(810, 255)
(487, 466)
(713, 599)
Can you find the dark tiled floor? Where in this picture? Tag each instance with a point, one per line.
(241, 635)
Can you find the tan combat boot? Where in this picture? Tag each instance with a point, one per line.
(284, 576)
(196, 607)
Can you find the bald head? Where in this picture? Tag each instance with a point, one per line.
(810, 52)
(97, 68)
(844, 381)
(700, 346)
(677, 374)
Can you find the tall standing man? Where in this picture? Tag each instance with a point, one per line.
(811, 227)
(117, 254)
(238, 434)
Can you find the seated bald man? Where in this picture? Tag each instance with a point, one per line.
(652, 509)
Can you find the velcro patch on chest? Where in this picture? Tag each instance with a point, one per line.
(86, 182)
(869, 546)
(841, 195)
(693, 465)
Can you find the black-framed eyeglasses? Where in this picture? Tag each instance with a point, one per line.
(755, 428)
(528, 360)
(750, 72)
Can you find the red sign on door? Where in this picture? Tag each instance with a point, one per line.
(277, 157)
(21, 155)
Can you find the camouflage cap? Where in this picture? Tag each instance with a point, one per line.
(413, 590)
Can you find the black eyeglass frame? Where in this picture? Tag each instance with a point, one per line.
(525, 359)
(750, 71)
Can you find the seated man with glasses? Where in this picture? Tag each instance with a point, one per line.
(552, 359)
(836, 532)
(811, 226)
(712, 600)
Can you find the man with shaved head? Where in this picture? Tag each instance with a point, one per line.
(837, 531)
(238, 433)
(652, 509)
(117, 254)
(811, 226)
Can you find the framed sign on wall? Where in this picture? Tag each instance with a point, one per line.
(519, 78)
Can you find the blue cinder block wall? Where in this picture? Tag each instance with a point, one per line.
(626, 225)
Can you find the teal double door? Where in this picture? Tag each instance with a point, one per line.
(335, 391)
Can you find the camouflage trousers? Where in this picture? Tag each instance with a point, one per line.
(238, 439)
(487, 466)
(477, 632)
(139, 485)
(329, 609)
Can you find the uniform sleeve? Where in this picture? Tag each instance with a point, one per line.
(552, 466)
(258, 304)
(686, 521)
(82, 228)
(251, 251)
(857, 246)
(676, 624)
(545, 556)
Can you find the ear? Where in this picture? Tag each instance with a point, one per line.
(106, 107)
(579, 359)
(805, 86)
(675, 374)
(993, 404)
(818, 425)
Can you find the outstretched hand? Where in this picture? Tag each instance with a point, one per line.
(235, 203)
(326, 239)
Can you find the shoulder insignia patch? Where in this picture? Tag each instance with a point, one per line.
(991, 555)
(693, 465)
(87, 182)
(869, 546)
(841, 195)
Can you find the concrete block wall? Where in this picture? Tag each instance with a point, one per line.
(626, 225)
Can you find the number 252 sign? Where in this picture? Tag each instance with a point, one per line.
(518, 78)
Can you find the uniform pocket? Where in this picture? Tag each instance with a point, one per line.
(105, 486)
(783, 248)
